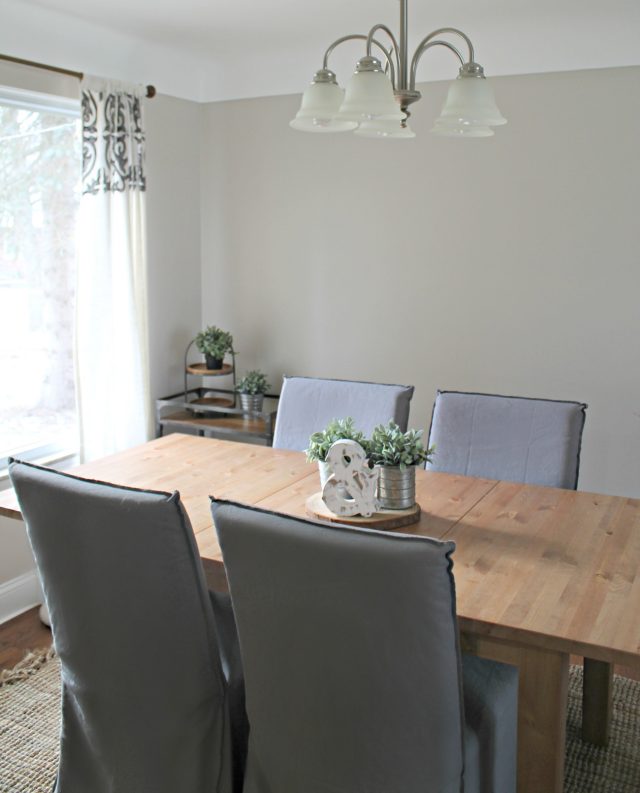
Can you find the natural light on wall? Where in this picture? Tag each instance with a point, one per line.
(40, 161)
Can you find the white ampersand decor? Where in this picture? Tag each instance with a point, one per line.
(351, 473)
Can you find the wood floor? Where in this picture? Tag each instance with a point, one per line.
(26, 632)
(21, 634)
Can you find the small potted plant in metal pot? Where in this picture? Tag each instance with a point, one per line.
(252, 389)
(215, 343)
(397, 454)
(320, 443)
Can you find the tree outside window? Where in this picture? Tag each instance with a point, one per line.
(40, 169)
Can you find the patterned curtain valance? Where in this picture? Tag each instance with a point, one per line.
(113, 142)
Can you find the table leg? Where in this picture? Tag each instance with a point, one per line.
(542, 709)
(597, 686)
(215, 575)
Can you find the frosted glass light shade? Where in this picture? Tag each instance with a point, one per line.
(319, 108)
(470, 103)
(384, 128)
(369, 95)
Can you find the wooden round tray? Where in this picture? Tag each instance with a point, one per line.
(201, 369)
(218, 402)
(385, 519)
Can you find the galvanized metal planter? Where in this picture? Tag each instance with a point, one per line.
(325, 473)
(396, 487)
(252, 402)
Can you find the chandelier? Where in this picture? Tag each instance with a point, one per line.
(376, 101)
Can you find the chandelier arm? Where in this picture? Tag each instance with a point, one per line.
(457, 32)
(361, 37)
(395, 49)
(422, 49)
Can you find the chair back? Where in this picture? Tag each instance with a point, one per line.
(308, 404)
(350, 652)
(143, 693)
(536, 441)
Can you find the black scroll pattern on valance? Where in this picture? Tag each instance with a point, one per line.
(113, 143)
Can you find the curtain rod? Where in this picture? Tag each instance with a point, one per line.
(151, 91)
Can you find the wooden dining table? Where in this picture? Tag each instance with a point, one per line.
(541, 573)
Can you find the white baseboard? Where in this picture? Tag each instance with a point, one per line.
(19, 594)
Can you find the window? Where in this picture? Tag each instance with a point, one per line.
(40, 171)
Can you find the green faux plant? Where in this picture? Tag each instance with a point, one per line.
(254, 382)
(389, 446)
(214, 341)
(336, 430)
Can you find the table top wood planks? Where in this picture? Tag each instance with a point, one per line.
(197, 468)
(561, 565)
(540, 572)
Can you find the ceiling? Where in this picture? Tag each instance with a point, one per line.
(225, 49)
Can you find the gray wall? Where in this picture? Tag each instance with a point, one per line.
(506, 265)
(173, 246)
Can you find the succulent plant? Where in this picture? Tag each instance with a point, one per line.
(214, 342)
(389, 446)
(254, 382)
(336, 430)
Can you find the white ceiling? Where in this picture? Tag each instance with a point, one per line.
(224, 49)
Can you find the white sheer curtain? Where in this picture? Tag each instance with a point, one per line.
(112, 366)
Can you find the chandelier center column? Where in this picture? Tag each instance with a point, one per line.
(404, 95)
(403, 77)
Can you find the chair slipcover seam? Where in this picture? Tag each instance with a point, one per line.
(169, 496)
(356, 382)
(582, 405)
(340, 527)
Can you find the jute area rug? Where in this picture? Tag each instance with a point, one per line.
(29, 728)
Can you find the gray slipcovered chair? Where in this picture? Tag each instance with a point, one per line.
(307, 404)
(518, 439)
(146, 704)
(536, 441)
(353, 673)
